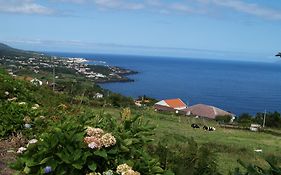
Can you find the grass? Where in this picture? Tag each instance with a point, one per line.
(229, 144)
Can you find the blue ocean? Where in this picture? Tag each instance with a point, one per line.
(234, 86)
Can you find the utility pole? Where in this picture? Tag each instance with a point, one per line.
(54, 73)
(264, 116)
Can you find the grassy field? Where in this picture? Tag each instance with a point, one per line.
(229, 144)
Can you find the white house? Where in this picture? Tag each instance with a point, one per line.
(36, 82)
(98, 95)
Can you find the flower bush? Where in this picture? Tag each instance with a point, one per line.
(68, 148)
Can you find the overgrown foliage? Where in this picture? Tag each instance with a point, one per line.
(62, 147)
(186, 158)
(251, 169)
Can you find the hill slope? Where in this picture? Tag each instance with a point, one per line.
(6, 50)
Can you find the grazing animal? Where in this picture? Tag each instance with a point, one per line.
(207, 128)
(195, 126)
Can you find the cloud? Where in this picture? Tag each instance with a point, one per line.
(78, 44)
(24, 7)
(248, 8)
(197, 7)
(206, 7)
(119, 4)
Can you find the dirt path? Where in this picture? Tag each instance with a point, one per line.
(8, 149)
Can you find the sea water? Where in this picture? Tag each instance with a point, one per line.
(234, 86)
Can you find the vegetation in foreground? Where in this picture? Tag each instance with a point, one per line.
(58, 133)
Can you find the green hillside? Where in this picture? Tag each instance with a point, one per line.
(6, 50)
(147, 141)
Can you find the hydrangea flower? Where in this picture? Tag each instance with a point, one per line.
(47, 169)
(27, 119)
(125, 169)
(109, 172)
(108, 140)
(42, 117)
(32, 141)
(22, 103)
(94, 173)
(93, 145)
(12, 99)
(97, 132)
(97, 139)
(21, 150)
(36, 105)
(27, 125)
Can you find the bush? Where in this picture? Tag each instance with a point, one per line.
(274, 168)
(183, 158)
(245, 119)
(223, 118)
(67, 149)
(19, 117)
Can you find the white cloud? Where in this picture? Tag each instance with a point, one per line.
(248, 8)
(24, 7)
(119, 4)
(201, 7)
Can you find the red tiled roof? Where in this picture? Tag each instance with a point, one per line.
(175, 103)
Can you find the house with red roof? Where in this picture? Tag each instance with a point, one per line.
(170, 105)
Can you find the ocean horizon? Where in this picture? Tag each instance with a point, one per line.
(235, 86)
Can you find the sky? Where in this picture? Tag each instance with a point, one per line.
(216, 29)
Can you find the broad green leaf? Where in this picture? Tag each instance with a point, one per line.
(101, 153)
(93, 166)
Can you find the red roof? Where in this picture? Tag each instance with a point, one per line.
(175, 103)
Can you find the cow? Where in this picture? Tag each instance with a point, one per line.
(194, 126)
(207, 128)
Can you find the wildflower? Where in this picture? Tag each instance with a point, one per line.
(42, 117)
(47, 169)
(22, 103)
(32, 141)
(109, 172)
(93, 173)
(7, 93)
(27, 125)
(12, 99)
(126, 114)
(21, 150)
(36, 105)
(62, 106)
(27, 119)
(94, 132)
(123, 168)
(108, 140)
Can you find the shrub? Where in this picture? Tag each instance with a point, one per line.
(68, 148)
(223, 118)
(183, 158)
(19, 116)
(251, 169)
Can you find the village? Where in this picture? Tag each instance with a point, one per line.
(43, 68)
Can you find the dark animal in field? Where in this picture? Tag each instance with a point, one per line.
(195, 126)
(207, 128)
